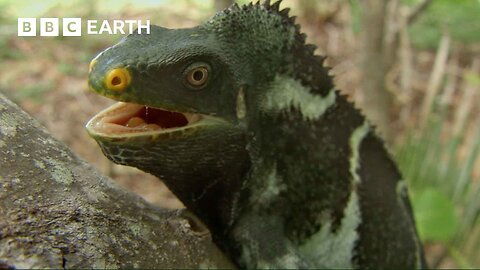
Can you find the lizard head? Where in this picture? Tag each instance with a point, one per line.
(176, 70)
(176, 117)
(183, 109)
(192, 76)
(172, 84)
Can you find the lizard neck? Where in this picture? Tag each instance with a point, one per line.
(298, 136)
(207, 178)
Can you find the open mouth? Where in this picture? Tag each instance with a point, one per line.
(123, 118)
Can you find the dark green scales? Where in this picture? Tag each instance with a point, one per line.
(242, 122)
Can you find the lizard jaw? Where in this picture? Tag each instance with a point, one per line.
(123, 120)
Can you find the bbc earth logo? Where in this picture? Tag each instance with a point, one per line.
(72, 27)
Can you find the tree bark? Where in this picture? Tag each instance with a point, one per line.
(56, 211)
(374, 99)
(381, 29)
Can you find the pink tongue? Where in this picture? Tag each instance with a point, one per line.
(138, 122)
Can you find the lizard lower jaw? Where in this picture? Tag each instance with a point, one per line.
(124, 119)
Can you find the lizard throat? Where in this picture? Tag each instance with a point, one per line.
(125, 118)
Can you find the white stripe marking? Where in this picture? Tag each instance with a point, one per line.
(357, 137)
(336, 250)
(241, 108)
(287, 92)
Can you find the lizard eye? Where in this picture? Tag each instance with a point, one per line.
(196, 75)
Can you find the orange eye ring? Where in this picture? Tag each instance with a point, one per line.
(197, 77)
(118, 79)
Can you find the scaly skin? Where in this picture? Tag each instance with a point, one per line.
(283, 170)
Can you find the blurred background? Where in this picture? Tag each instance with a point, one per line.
(412, 65)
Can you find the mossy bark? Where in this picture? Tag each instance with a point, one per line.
(57, 211)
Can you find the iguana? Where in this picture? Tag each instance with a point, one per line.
(243, 123)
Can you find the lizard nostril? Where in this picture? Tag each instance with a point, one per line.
(117, 79)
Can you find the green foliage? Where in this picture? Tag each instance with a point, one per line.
(435, 215)
(445, 196)
(459, 18)
(472, 78)
(356, 15)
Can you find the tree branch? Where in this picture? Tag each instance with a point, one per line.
(56, 211)
(417, 10)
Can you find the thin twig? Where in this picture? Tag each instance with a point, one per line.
(435, 77)
(470, 91)
(417, 10)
